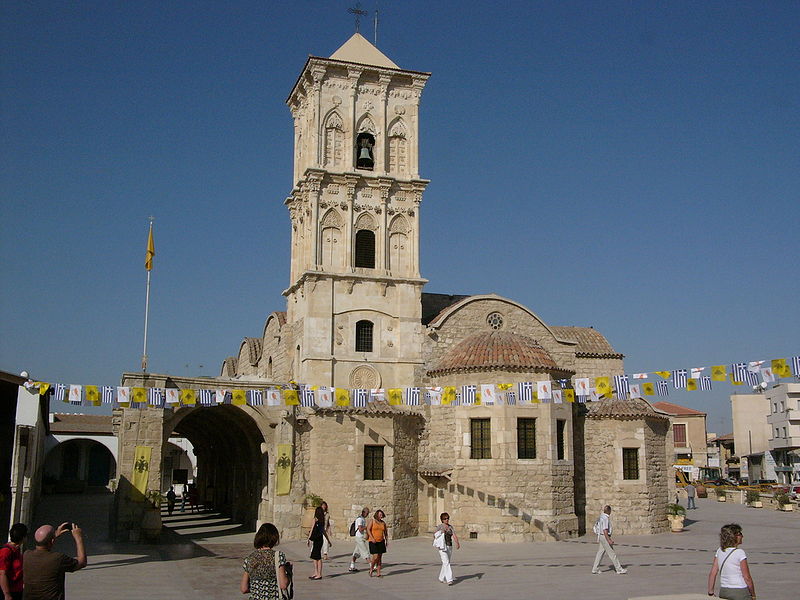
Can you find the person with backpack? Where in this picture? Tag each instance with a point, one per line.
(267, 574)
(358, 529)
(730, 563)
(602, 528)
(11, 563)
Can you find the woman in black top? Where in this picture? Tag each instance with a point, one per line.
(315, 537)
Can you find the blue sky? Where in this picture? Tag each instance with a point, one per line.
(629, 166)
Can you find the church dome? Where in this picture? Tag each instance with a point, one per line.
(495, 350)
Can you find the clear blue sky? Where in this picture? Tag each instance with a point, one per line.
(630, 166)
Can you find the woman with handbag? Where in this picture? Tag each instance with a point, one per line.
(730, 562)
(265, 569)
(443, 539)
(315, 538)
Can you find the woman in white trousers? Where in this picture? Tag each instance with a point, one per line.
(443, 539)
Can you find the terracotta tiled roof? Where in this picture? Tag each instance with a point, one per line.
(676, 409)
(78, 423)
(591, 343)
(624, 410)
(728, 437)
(490, 350)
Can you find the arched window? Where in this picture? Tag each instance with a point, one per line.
(334, 141)
(269, 368)
(365, 249)
(364, 336)
(398, 148)
(365, 151)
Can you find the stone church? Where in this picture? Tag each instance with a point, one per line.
(357, 317)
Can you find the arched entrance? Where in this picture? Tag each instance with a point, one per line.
(77, 464)
(231, 467)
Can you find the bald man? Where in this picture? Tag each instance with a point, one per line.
(44, 569)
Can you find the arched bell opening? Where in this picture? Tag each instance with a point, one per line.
(365, 151)
(231, 472)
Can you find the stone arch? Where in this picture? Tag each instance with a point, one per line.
(232, 469)
(332, 255)
(78, 463)
(366, 125)
(398, 147)
(399, 246)
(366, 221)
(333, 141)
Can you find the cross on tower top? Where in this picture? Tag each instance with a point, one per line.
(358, 12)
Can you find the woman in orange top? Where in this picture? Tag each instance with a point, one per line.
(378, 538)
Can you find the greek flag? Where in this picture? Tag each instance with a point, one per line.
(622, 385)
(207, 397)
(705, 383)
(155, 397)
(255, 398)
(679, 378)
(412, 396)
(525, 391)
(457, 400)
(468, 394)
(796, 366)
(59, 392)
(307, 396)
(107, 394)
(511, 397)
(739, 372)
(359, 398)
(663, 389)
(753, 378)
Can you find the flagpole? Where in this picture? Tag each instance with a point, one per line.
(148, 266)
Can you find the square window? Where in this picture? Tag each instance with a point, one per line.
(480, 438)
(526, 438)
(373, 462)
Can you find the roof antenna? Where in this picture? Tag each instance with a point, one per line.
(376, 24)
(358, 12)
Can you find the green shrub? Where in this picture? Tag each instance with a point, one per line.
(675, 509)
(753, 496)
(782, 498)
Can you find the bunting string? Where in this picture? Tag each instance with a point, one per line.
(756, 373)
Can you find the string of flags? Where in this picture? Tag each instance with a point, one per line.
(578, 389)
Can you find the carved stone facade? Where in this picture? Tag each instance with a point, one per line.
(356, 317)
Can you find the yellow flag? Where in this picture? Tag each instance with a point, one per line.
(342, 397)
(733, 381)
(238, 397)
(663, 374)
(151, 251)
(780, 368)
(719, 373)
(283, 470)
(569, 395)
(477, 398)
(291, 398)
(43, 387)
(649, 389)
(138, 394)
(448, 395)
(188, 397)
(534, 396)
(505, 386)
(141, 471)
(602, 385)
(691, 384)
(395, 396)
(92, 394)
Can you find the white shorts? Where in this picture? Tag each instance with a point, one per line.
(362, 550)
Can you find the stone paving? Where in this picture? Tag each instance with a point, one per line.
(200, 555)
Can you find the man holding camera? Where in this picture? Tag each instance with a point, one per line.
(44, 569)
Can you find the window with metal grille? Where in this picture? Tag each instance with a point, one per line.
(480, 438)
(365, 249)
(373, 462)
(630, 463)
(526, 438)
(364, 336)
(561, 426)
(679, 434)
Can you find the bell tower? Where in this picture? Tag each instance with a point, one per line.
(353, 304)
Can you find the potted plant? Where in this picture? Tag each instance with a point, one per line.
(754, 499)
(784, 502)
(151, 521)
(311, 502)
(720, 492)
(675, 514)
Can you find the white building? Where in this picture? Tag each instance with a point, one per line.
(784, 423)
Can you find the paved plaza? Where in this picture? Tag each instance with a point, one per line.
(200, 556)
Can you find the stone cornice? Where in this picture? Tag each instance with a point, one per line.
(314, 276)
